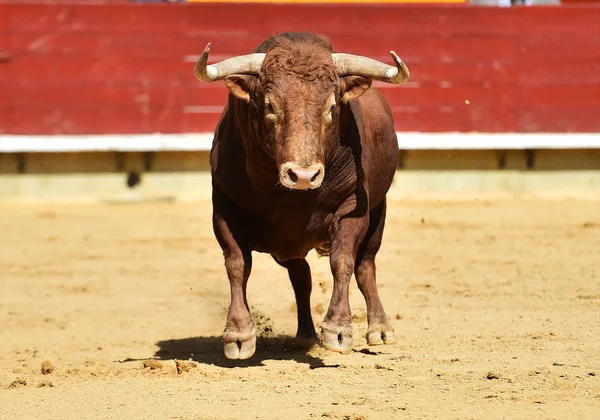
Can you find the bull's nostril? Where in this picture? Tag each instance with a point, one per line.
(315, 176)
(293, 177)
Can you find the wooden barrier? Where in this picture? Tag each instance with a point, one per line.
(127, 68)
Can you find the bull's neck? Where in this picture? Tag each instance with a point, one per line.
(260, 166)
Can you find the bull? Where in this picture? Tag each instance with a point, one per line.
(302, 158)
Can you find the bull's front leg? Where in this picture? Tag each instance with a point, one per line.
(239, 337)
(337, 325)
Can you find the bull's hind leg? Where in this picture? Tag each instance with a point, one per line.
(299, 272)
(380, 330)
(239, 337)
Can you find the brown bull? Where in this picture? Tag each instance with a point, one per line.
(302, 159)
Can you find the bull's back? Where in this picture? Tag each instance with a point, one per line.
(380, 156)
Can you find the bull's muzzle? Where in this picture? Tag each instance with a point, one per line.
(298, 177)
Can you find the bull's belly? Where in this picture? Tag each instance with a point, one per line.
(285, 247)
(285, 254)
(284, 250)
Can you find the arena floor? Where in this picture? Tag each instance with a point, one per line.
(495, 305)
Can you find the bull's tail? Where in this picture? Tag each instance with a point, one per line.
(324, 250)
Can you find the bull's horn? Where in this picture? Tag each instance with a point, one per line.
(243, 64)
(348, 64)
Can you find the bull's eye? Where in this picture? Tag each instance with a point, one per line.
(269, 108)
(329, 115)
(270, 112)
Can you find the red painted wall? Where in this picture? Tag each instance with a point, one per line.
(122, 69)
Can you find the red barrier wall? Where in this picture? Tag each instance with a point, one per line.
(122, 68)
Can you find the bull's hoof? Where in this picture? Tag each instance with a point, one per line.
(337, 338)
(380, 334)
(239, 345)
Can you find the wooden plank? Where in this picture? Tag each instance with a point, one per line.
(558, 120)
(5, 97)
(566, 21)
(69, 72)
(5, 41)
(561, 96)
(6, 53)
(6, 123)
(5, 17)
(5, 107)
(464, 96)
(464, 119)
(5, 74)
(94, 18)
(36, 17)
(99, 95)
(87, 121)
(205, 94)
(561, 43)
(172, 46)
(39, 96)
(431, 73)
(544, 68)
(201, 123)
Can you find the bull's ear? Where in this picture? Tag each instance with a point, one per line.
(241, 86)
(354, 86)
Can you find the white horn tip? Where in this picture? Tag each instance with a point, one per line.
(211, 72)
(391, 73)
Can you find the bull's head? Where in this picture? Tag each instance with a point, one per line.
(295, 95)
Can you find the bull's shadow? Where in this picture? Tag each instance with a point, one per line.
(209, 351)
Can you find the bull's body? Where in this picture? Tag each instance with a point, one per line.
(288, 224)
(343, 217)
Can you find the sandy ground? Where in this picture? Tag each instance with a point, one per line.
(496, 306)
